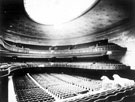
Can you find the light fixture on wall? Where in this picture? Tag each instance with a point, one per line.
(53, 12)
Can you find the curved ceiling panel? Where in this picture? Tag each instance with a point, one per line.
(105, 15)
(54, 12)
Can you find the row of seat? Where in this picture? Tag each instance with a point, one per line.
(89, 50)
(15, 48)
(81, 65)
(110, 47)
(28, 91)
(61, 81)
(87, 65)
(67, 88)
(115, 95)
(58, 87)
(34, 95)
(24, 83)
(89, 85)
(52, 52)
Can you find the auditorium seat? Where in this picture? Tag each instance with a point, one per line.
(69, 88)
(58, 87)
(91, 50)
(28, 91)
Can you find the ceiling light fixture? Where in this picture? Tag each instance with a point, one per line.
(53, 12)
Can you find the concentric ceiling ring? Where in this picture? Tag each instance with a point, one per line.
(52, 12)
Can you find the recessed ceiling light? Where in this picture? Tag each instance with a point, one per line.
(56, 11)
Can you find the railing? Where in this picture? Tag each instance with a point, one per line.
(4, 71)
(14, 48)
(80, 51)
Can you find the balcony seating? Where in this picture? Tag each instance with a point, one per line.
(91, 50)
(79, 65)
(91, 65)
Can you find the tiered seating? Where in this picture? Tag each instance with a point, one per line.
(90, 85)
(34, 95)
(107, 96)
(28, 91)
(118, 95)
(94, 49)
(64, 90)
(90, 50)
(14, 48)
(67, 88)
(109, 66)
(58, 87)
(91, 65)
(83, 65)
(6, 68)
(24, 83)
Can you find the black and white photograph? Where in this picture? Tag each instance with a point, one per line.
(67, 50)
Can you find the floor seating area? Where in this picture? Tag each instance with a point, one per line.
(118, 95)
(34, 95)
(66, 88)
(85, 83)
(58, 87)
(28, 91)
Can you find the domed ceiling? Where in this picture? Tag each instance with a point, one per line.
(106, 15)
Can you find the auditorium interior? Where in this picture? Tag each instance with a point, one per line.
(67, 51)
